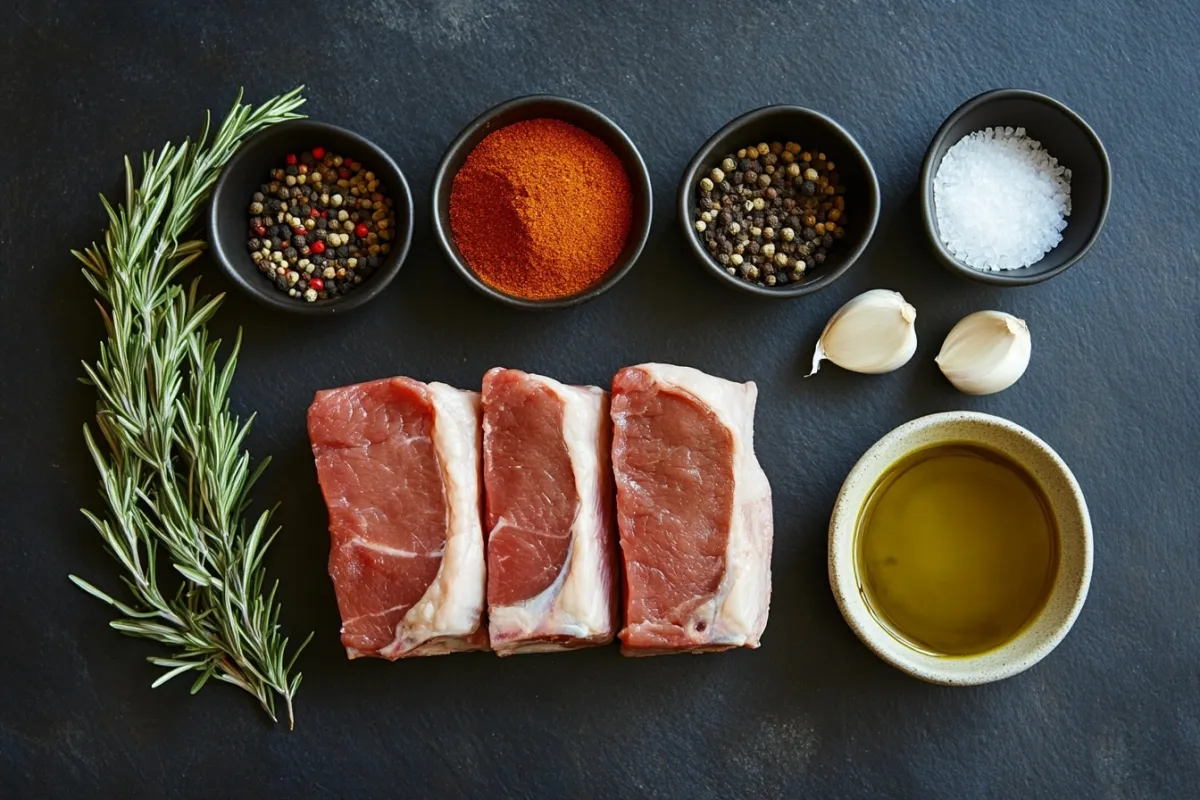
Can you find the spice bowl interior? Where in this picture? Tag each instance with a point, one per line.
(813, 131)
(1066, 137)
(574, 113)
(249, 169)
(1068, 586)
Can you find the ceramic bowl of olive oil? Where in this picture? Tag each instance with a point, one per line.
(960, 548)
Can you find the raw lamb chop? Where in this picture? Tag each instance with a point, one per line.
(398, 463)
(694, 511)
(548, 486)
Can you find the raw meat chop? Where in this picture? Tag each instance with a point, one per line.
(548, 486)
(398, 463)
(694, 511)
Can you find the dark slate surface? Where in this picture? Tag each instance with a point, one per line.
(1113, 713)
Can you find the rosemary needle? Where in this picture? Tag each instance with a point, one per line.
(173, 475)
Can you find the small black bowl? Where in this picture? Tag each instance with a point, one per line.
(813, 131)
(585, 117)
(1064, 135)
(249, 169)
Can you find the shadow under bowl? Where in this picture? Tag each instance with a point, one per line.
(574, 113)
(1066, 137)
(250, 167)
(813, 131)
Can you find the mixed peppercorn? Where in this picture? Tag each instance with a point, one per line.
(769, 213)
(320, 226)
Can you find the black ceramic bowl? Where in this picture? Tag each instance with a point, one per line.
(812, 130)
(249, 169)
(581, 116)
(1064, 135)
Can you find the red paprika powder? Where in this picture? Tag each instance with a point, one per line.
(541, 209)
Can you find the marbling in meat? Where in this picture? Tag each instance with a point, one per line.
(694, 511)
(549, 514)
(399, 464)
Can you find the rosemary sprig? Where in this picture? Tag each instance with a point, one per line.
(173, 474)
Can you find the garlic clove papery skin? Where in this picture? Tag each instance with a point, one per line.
(986, 352)
(872, 333)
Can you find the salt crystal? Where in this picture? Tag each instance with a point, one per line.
(1000, 199)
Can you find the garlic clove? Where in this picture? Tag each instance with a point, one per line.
(986, 352)
(872, 333)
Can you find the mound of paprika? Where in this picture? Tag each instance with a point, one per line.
(541, 209)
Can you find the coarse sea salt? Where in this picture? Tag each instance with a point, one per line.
(1000, 199)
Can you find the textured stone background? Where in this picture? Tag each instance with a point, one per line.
(1113, 713)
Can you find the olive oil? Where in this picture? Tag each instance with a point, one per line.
(957, 549)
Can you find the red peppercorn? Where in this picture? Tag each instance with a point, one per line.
(291, 159)
(318, 247)
(312, 212)
(317, 283)
(318, 153)
(344, 174)
(325, 214)
(259, 230)
(300, 231)
(360, 230)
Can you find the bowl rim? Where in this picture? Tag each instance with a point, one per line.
(683, 194)
(843, 576)
(925, 187)
(635, 169)
(265, 293)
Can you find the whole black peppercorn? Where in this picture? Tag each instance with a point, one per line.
(291, 254)
(827, 240)
(808, 188)
(810, 234)
(254, 244)
(819, 257)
